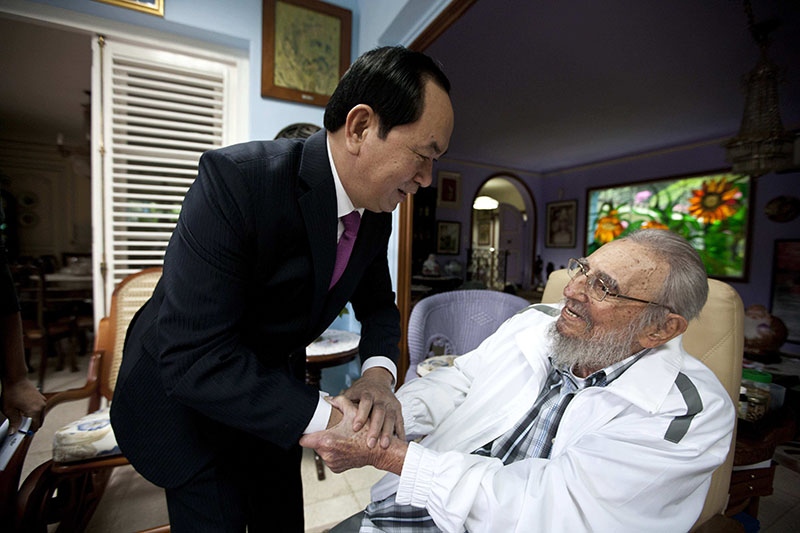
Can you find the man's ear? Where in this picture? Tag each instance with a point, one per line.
(654, 336)
(360, 121)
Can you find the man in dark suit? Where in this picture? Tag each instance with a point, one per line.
(210, 401)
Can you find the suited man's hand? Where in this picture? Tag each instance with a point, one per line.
(342, 448)
(378, 405)
(20, 398)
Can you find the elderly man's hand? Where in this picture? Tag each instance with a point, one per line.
(342, 448)
(20, 398)
(378, 404)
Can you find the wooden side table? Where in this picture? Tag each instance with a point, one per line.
(334, 347)
(756, 443)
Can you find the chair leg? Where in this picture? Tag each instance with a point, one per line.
(42, 365)
(320, 466)
(67, 499)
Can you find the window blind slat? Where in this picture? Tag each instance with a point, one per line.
(131, 90)
(162, 133)
(135, 113)
(149, 103)
(129, 77)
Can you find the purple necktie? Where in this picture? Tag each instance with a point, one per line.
(351, 221)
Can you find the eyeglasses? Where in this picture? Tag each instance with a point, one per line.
(596, 288)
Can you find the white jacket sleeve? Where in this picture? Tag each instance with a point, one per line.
(429, 400)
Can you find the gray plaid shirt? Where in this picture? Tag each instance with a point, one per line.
(532, 436)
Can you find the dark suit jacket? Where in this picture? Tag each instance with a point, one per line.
(245, 285)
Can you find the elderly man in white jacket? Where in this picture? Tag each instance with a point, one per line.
(586, 416)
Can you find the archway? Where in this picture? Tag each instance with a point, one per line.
(503, 235)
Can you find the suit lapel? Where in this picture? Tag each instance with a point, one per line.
(318, 204)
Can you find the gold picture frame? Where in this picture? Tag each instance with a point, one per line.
(448, 237)
(305, 49)
(152, 7)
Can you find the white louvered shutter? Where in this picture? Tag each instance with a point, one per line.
(160, 111)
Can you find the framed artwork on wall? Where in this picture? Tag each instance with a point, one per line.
(710, 209)
(153, 7)
(561, 224)
(484, 232)
(448, 237)
(449, 190)
(305, 49)
(786, 286)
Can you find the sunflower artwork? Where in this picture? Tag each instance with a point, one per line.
(710, 211)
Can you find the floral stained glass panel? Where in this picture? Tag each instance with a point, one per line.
(711, 211)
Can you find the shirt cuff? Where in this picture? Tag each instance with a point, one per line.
(416, 477)
(383, 362)
(319, 421)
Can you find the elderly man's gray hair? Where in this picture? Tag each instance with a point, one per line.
(685, 289)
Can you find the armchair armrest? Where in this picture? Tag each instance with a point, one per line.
(89, 388)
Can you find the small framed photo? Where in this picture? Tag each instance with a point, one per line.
(448, 237)
(561, 224)
(153, 7)
(484, 232)
(449, 190)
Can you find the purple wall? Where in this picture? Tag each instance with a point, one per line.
(574, 183)
(472, 177)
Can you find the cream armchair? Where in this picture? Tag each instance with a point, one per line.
(716, 338)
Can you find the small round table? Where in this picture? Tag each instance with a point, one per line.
(334, 347)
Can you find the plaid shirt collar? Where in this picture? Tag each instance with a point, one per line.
(602, 377)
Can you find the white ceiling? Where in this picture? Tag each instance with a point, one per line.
(537, 85)
(547, 85)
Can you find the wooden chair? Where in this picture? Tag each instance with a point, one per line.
(66, 489)
(42, 329)
(9, 481)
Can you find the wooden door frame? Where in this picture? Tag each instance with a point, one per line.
(405, 230)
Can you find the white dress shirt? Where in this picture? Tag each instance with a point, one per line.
(344, 206)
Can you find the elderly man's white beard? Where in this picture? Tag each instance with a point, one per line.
(601, 349)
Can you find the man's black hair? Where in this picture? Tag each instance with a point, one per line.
(391, 80)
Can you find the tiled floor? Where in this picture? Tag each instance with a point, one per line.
(132, 504)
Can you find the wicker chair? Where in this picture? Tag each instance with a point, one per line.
(67, 488)
(458, 321)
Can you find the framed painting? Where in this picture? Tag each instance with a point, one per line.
(711, 210)
(448, 237)
(153, 7)
(786, 286)
(449, 190)
(484, 232)
(561, 224)
(305, 49)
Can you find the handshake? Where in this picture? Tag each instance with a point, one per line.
(346, 445)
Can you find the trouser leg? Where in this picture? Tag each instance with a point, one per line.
(257, 486)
